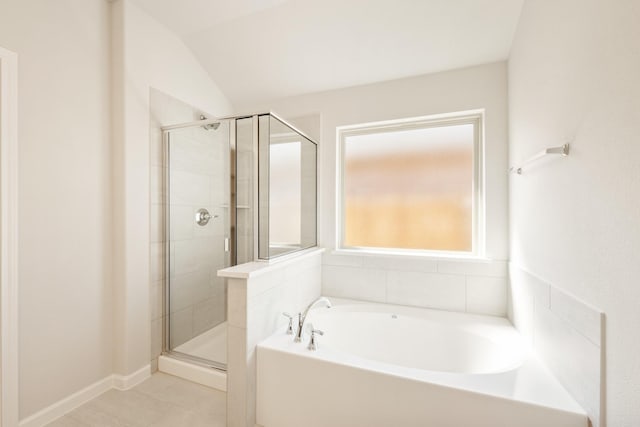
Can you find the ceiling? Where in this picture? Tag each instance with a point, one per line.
(257, 50)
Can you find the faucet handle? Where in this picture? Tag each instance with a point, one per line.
(313, 345)
(299, 331)
(290, 327)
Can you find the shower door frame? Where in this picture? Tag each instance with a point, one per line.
(9, 414)
(166, 350)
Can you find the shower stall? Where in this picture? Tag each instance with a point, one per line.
(238, 190)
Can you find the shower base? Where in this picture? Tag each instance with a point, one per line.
(210, 345)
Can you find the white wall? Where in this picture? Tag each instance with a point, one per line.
(146, 55)
(84, 201)
(573, 73)
(65, 305)
(423, 281)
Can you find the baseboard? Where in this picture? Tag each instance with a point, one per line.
(58, 409)
(197, 374)
(68, 404)
(125, 382)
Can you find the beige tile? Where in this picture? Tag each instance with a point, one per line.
(126, 408)
(191, 419)
(187, 395)
(162, 400)
(67, 421)
(90, 417)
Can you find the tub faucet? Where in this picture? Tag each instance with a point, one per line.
(303, 316)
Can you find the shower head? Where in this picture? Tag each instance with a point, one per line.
(209, 126)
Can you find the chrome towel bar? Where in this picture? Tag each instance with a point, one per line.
(563, 150)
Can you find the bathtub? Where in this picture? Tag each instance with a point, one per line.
(381, 365)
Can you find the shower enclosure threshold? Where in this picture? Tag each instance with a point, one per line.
(209, 377)
(210, 345)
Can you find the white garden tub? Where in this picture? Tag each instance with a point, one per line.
(381, 365)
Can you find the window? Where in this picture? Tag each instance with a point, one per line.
(412, 185)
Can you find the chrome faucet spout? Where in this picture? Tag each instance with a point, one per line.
(303, 316)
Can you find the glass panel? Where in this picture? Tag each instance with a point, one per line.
(410, 188)
(287, 177)
(264, 185)
(199, 233)
(244, 190)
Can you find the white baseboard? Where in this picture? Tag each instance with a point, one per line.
(58, 409)
(197, 374)
(68, 404)
(125, 382)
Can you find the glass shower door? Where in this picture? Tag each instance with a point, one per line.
(198, 234)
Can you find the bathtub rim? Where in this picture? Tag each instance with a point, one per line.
(532, 369)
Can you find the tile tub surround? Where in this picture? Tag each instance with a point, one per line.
(258, 294)
(464, 285)
(567, 334)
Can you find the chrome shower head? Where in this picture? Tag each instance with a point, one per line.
(209, 126)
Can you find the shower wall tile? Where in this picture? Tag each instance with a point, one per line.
(195, 155)
(181, 220)
(156, 253)
(217, 189)
(156, 223)
(156, 192)
(181, 326)
(190, 189)
(194, 254)
(217, 285)
(156, 301)
(189, 289)
(473, 286)
(206, 314)
(244, 192)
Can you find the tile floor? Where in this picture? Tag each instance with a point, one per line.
(162, 400)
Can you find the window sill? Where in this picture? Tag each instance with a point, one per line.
(431, 255)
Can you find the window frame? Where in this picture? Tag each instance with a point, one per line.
(478, 227)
